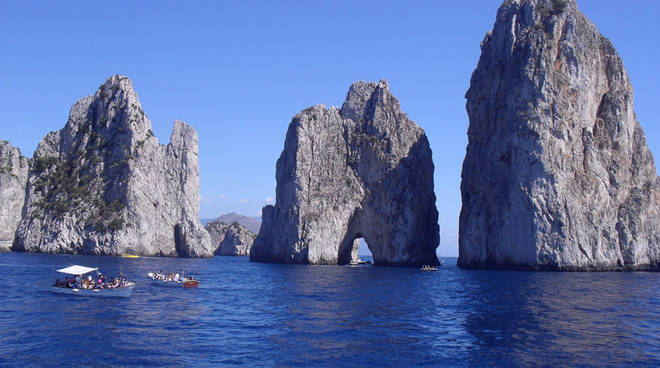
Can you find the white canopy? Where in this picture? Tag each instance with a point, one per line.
(77, 270)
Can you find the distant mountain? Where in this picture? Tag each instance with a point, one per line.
(252, 223)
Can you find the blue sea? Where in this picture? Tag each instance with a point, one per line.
(267, 315)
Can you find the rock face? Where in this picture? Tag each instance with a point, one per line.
(557, 174)
(14, 170)
(230, 240)
(252, 223)
(104, 185)
(364, 171)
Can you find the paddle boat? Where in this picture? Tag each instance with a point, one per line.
(160, 279)
(124, 290)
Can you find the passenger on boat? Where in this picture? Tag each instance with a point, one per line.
(122, 279)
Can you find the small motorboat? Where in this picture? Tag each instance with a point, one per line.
(124, 290)
(162, 280)
(427, 268)
(189, 283)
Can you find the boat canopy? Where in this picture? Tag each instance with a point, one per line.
(77, 270)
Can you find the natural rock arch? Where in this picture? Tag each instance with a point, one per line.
(362, 171)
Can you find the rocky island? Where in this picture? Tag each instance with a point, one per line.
(104, 185)
(362, 171)
(14, 170)
(230, 240)
(557, 174)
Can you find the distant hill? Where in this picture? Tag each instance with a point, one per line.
(252, 223)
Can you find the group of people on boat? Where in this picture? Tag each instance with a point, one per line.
(428, 268)
(88, 282)
(169, 277)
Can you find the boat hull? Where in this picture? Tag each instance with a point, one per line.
(122, 292)
(190, 284)
(173, 284)
(184, 283)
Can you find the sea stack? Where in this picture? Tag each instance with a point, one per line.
(362, 171)
(104, 185)
(557, 174)
(230, 240)
(14, 170)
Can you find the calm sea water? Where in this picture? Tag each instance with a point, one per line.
(254, 314)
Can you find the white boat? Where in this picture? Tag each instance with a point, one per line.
(182, 282)
(123, 291)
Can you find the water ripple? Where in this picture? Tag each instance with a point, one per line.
(252, 314)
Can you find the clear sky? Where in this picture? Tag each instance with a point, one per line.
(238, 71)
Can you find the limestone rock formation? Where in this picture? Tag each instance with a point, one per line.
(14, 170)
(231, 240)
(557, 173)
(364, 171)
(252, 223)
(104, 185)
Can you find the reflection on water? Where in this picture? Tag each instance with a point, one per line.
(581, 318)
(294, 315)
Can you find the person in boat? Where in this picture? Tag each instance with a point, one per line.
(176, 277)
(122, 279)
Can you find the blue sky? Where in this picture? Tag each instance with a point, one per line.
(238, 71)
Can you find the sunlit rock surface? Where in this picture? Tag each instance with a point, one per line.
(557, 173)
(14, 170)
(362, 171)
(230, 240)
(104, 185)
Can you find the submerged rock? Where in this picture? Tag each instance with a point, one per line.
(231, 240)
(364, 171)
(557, 173)
(104, 185)
(14, 170)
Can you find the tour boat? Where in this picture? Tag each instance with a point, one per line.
(123, 291)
